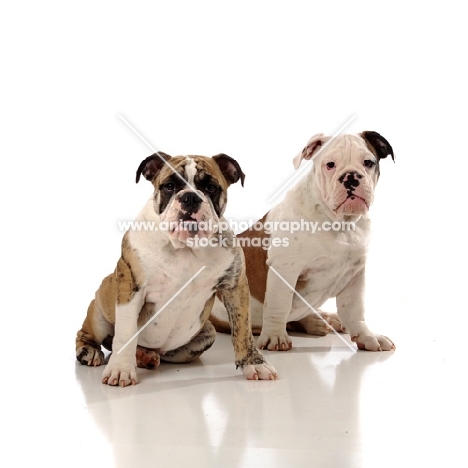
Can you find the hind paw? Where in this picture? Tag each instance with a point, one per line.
(147, 358)
(90, 356)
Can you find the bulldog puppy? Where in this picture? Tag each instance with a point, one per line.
(157, 302)
(301, 269)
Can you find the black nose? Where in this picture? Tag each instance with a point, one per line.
(190, 201)
(350, 180)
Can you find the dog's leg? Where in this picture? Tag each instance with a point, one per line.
(194, 348)
(237, 302)
(94, 331)
(276, 309)
(90, 338)
(129, 300)
(121, 369)
(350, 305)
(315, 325)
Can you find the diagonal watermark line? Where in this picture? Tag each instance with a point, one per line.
(313, 310)
(306, 166)
(161, 309)
(138, 134)
(167, 163)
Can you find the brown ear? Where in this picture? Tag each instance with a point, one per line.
(313, 145)
(381, 147)
(229, 168)
(151, 166)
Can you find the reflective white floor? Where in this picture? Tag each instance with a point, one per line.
(255, 80)
(331, 408)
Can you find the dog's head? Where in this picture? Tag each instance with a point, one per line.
(190, 192)
(346, 169)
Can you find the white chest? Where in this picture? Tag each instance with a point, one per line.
(323, 263)
(178, 283)
(173, 312)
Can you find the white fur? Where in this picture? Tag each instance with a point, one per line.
(162, 265)
(191, 171)
(167, 270)
(121, 367)
(333, 262)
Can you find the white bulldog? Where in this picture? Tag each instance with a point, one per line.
(290, 280)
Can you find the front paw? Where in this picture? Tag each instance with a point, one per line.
(263, 371)
(371, 342)
(119, 372)
(276, 341)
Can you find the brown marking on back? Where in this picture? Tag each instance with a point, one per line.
(255, 262)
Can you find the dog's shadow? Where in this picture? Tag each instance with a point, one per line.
(172, 416)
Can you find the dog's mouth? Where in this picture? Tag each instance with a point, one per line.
(353, 204)
(190, 225)
(186, 224)
(190, 218)
(182, 224)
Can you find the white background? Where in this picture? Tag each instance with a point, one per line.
(254, 80)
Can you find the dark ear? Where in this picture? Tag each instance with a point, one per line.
(151, 166)
(381, 147)
(313, 145)
(230, 168)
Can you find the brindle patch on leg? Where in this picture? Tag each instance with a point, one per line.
(194, 348)
(236, 300)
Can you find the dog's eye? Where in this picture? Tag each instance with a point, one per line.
(170, 187)
(369, 163)
(330, 165)
(211, 188)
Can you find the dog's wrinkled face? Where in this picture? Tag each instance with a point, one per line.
(190, 192)
(348, 173)
(347, 170)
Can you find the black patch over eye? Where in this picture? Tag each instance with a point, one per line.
(211, 188)
(170, 187)
(330, 165)
(369, 163)
(167, 189)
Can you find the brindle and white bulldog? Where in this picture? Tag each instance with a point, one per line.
(327, 263)
(157, 302)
